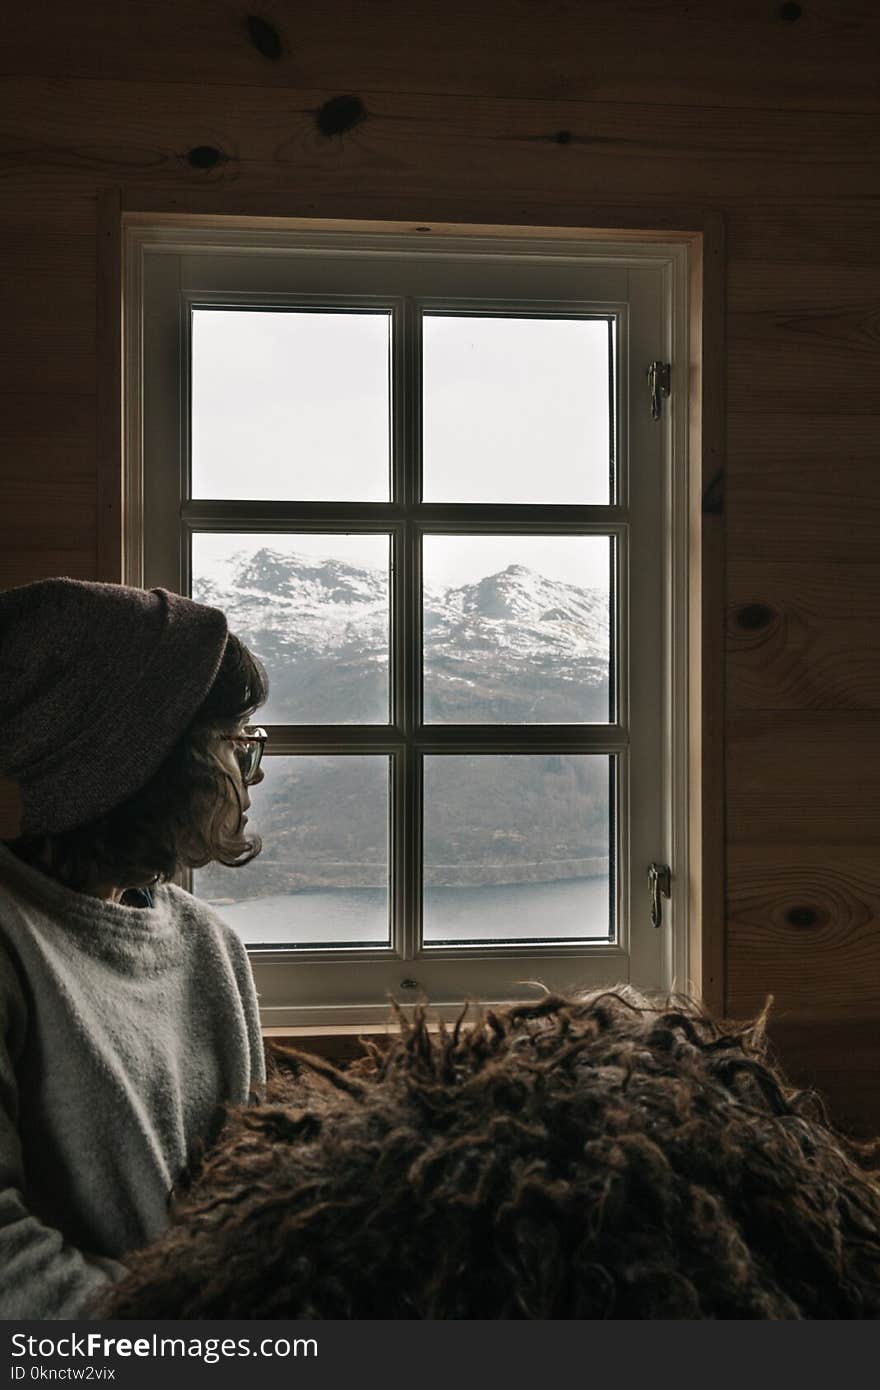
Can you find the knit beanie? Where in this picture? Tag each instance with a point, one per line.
(97, 683)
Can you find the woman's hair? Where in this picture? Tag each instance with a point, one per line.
(593, 1158)
(181, 817)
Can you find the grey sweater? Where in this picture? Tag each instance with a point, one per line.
(123, 1032)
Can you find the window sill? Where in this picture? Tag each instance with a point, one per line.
(336, 1042)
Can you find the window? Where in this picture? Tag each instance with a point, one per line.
(423, 480)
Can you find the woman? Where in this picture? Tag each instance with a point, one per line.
(128, 1016)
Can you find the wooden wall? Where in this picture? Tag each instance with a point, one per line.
(534, 112)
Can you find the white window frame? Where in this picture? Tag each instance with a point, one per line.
(166, 270)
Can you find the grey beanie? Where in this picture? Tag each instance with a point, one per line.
(97, 683)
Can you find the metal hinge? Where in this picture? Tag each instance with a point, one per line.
(659, 374)
(660, 880)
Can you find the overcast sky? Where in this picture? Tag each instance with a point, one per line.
(295, 406)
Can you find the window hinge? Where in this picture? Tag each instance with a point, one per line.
(660, 880)
(659, 374)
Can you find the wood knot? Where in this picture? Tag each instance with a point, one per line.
(264, 37)
(754, 616)
(562, 137)
(789, 13)
(204, 157)
(340, 114)
(802, 917)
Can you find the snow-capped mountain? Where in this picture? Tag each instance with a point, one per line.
(516, 647)
(513, 647)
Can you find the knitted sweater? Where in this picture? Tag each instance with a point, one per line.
(123, 1032)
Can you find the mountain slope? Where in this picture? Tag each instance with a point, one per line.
(514, 647)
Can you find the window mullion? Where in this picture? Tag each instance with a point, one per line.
(522, 738)
(406, 829)
(204, 514)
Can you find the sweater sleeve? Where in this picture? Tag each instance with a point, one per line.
(44, 1276)
(241, 966)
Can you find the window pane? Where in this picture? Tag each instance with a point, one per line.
(517, 629)
(290, 406)
(322, 877)
(314, 609)
(517, 848)
(517, 409)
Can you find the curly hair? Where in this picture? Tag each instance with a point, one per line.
(181, 817)
(602, 1157)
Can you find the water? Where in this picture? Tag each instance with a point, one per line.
(567, 910)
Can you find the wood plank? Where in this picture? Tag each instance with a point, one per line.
(47, 298)
(36, 197)
(48, 514)
(797, 340)
(610, 50)
(46, 437)
(47, 447)
(109, 404)
(803, 925)
(833, 231)
(840, 1058)
(23, 564)
(132, 133)
(780, 287)
(803, 778)
(803, 636)
(802, 485)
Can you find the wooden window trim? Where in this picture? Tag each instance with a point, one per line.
(702, 232)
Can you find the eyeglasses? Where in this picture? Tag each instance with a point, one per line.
(249, 755)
